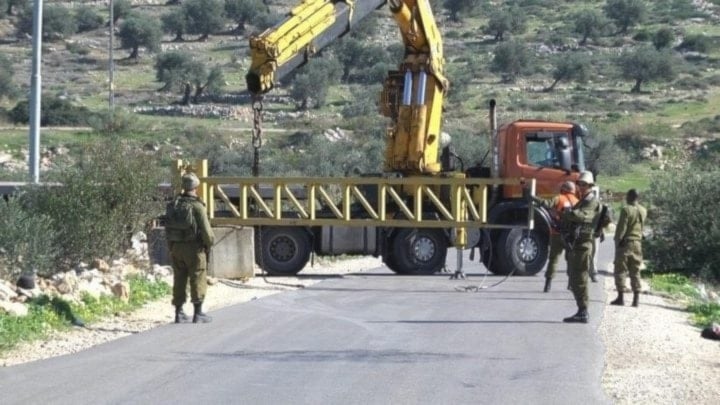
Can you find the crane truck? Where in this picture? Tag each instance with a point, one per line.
(421, 205)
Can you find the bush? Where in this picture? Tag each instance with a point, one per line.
(683, 239)
(58, 22)
(53, 111)
(119, 122)
(87, 19)
(604, 155)
(696, 43)
(708, 157)
(26, 241)
(8, 89)
(108, 196)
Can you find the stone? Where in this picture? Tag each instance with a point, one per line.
(14, 308)
(7, 292)
(121, 290)
(101, 265)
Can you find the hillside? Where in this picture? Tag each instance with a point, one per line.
(665, 112)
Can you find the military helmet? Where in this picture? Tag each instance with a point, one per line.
(567, 187)
(586, 177)
(190, 181)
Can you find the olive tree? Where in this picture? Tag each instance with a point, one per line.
(204, 17)
(57, 22)
(175, 23)
(140, 30)
(459, 7)
(511, 60)
(663, 38)
(121, 9)
(15, 5)
(590, 24)
(644, 64)
(244, 11)
(87, 19)
(177, 70)
(508, 20)
(625, 13)
(575, 66)
(314, 81)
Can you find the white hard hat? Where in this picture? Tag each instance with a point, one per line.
(586, 177)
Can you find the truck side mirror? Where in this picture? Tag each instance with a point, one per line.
(565, 159)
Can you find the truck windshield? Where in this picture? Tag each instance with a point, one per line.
(545, 148)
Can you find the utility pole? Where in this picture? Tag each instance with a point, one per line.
(111, 63)
(35, 94)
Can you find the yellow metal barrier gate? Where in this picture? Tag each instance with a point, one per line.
(365, 201)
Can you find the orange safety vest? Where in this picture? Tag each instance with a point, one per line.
(565, 201)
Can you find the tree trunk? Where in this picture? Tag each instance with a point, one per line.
(187, 93)
(135, 52)
(178, 37)
(198, 92)
(636, 87)
(204, 37)
(552, 86)
(583, 41)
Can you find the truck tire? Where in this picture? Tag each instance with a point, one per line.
(282, 251)
(522, 252)
(418, 251)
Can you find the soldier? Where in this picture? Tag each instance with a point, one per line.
(628, 247)
(580, 222)
(190, 239)
(562, 202)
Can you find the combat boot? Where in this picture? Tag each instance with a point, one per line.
(580, 317)
(620, 300)
(180, 316)
(636, 299)
(199, 315)
(548, 283)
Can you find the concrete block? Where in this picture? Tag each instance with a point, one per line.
(157, 247)
(233, 255)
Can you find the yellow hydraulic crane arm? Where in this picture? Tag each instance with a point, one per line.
(308, 28)
(412, 97)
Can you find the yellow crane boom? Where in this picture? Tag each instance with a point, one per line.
(412, 96)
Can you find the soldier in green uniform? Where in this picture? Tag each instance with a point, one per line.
(628, 247)
(190, 239)
(581, 221)
(562, 202)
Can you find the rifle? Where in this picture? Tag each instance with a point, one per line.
(603, 221)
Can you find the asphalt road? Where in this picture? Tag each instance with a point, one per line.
(368, 338)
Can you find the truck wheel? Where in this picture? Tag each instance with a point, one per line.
(418, 251)
(282, 251)
(489, 255)
(521, 250)
(390, 262)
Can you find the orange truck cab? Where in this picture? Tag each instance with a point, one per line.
(550, 153)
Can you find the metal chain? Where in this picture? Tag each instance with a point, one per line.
(257, 106)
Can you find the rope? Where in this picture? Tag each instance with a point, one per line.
(481, 286)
